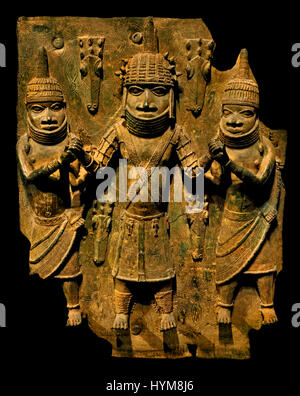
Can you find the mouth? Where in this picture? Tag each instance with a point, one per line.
(147, 114)
(49, 127)
(237, 128)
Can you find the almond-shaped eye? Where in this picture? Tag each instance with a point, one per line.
(226, 112)
(135, 90)
(247, 113)
(57, 106)
(160, 91)
(37, 108)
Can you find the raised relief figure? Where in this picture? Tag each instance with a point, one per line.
(147, 137)
(115, 212)
(251, 175)
(53, 179)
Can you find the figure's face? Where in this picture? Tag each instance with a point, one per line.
(238, 119)
(147, 101)
(47, 115)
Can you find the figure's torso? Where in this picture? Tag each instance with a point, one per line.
(49, 196)
(146, 153)
(240, 196)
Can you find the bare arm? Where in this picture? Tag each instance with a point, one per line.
(31, 176)
(217, 151)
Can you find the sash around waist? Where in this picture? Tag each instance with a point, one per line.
(240, 216)
(143, 218)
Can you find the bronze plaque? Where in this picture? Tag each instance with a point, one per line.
(121, 103)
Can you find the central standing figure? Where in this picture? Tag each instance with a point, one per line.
(146, 136)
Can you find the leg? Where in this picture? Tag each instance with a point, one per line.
(164, 300)
(225, 303)
(265, 286)
(71, 292)
(123, 298)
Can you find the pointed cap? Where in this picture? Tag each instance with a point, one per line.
(41, 66)
(242, 89)
(243, 65)
(43, 88)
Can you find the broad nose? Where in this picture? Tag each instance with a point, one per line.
(146, 102)
(48, 115)
(235, 121)
(146, 98)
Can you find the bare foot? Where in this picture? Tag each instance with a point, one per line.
(167, 322)
(121, 322)
(74, 317)
(224, 315)
(269, 315)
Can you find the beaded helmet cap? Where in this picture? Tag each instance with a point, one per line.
(149, 66)
(242, 89)
(43, 88)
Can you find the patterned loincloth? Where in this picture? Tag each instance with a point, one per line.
(53, 249)
(143, 251)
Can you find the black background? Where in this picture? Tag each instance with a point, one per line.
(36, 350)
